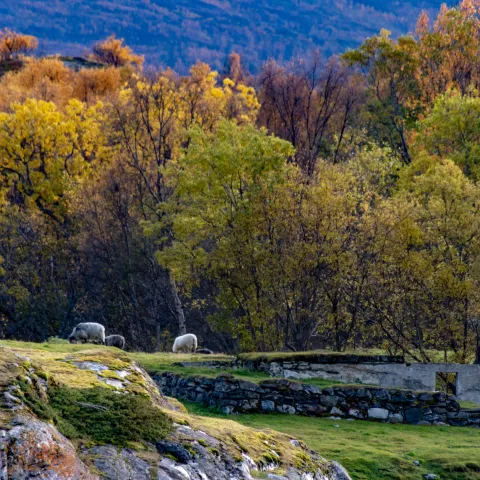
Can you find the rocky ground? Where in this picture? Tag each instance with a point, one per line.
(47, 397)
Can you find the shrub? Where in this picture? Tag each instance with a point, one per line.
(56, 340)
(99, 414)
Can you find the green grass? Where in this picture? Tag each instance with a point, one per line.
(465, 404)
(161, 361)
(156, 361)
(378, 451)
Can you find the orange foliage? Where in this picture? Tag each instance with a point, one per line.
(112, 51)
(90, 84)
(449, 50)
(13, 44)
(45, 79)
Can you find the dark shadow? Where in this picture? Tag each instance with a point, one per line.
(446, 382)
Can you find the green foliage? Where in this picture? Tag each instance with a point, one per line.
(452, 130)
(428, 236)
(57, 340)
(222, 175)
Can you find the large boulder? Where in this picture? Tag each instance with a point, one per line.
(34, 449)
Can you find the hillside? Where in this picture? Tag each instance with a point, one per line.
(177, 33)
(88, 413)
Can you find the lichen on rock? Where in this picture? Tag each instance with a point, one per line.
(31, 448)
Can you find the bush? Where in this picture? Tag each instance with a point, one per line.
(56, 340)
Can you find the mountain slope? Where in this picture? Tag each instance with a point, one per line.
(178, 32)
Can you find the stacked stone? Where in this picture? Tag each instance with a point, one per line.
(232, 395)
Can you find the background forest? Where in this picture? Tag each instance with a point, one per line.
(312, 205)
(177, 33)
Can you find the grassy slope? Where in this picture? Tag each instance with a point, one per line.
(377, 451)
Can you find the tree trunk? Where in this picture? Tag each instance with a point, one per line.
(477, 353)
(158, 338)
(182, 327)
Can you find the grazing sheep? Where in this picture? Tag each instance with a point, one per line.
(115, 341)
(204, 351)
(186, 342)
(88, 332)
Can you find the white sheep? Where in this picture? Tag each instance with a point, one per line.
(88, 332)
(186, 342)
(115, 341)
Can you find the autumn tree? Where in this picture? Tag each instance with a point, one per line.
(393, 105)
(112, 51)
(448, 50)
(45, 154)
(151, 121)
(46, 79)
(92, 84)
(424, 241)
(280, 250)
(44, 151)
(234, 69)
(13, 44)
(310, 105)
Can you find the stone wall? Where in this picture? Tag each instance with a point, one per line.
(414, 376)
(232, 395)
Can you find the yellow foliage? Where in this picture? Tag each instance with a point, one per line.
(43, 152)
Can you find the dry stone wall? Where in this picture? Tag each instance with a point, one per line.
(232, 395)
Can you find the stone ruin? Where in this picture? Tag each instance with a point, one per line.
(371, 387)
(379, 370)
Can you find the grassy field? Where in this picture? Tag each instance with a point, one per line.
(378, 451)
